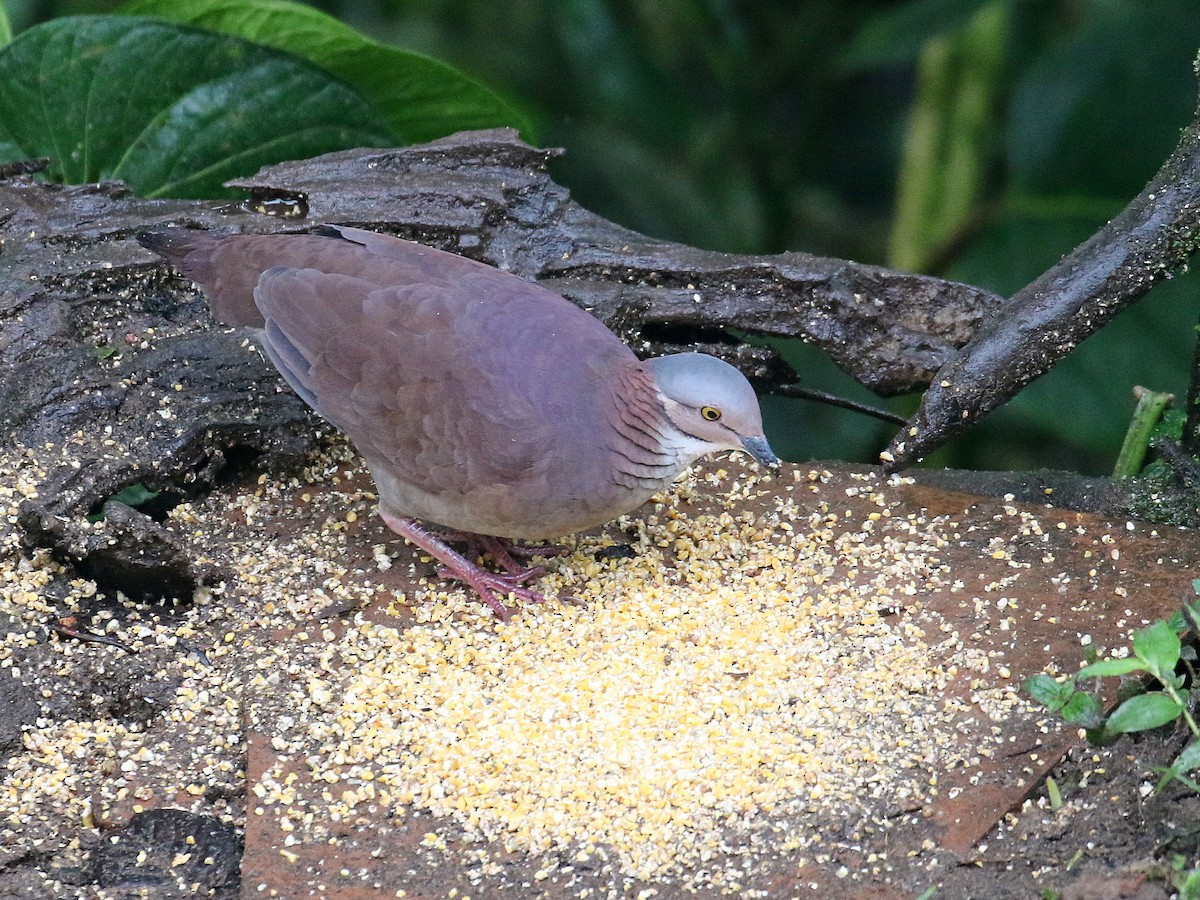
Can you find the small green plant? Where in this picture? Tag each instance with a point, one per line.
(1157, 652)
(1178, 873)
(1054, 793)
(1146, 425)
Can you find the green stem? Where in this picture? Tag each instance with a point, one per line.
(1182, 701)
(1150, 407)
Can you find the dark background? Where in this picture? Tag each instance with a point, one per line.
(973, 140)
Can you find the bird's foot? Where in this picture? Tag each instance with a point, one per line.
(505, 553)
(492, 587)
(516, 576)
(528, 551)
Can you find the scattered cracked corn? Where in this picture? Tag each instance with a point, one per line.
(732, 676)
(744, 676)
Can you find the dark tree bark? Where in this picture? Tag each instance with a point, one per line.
(112, 374)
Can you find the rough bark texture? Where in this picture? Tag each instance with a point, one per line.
(111, 369)
(108, 358)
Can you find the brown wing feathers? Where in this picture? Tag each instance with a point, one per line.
(455, 378)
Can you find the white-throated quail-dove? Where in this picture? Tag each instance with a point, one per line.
(481, 402)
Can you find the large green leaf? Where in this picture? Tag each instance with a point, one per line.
(420, 98)
(1143, 712)
(1158, 645)
(172, 110)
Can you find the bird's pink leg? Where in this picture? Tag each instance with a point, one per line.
(490, 586)
(525, 551)
(502, 552)
(505, 552)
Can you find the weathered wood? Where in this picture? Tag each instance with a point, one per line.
(109, 358)
(111, 369)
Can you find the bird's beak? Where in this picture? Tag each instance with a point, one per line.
(761, 451)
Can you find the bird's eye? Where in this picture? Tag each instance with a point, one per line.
(710, 412)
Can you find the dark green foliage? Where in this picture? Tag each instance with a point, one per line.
(172, 111)
(134, 495)
(175, 110)
(812, 126)
(1076, 707)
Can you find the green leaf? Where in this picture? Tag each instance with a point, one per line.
(1143, 712)
(1111, 667)
(1100, 738)
(1187, 760)
(1168, 774)
(1049, 692)
(1083, 709)
(418, 97)
(1158, 646)
(134, 495)
(172, 110)
(1054, 794)
(5, 26)
(1189, 615)
(1075, 706)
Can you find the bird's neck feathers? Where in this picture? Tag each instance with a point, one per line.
(686, 448)
(653, 450)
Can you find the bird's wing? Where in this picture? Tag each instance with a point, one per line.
(488, 381)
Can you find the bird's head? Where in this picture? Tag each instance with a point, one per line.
(711, 405)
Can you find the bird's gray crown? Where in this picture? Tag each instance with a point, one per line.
(697, 379)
